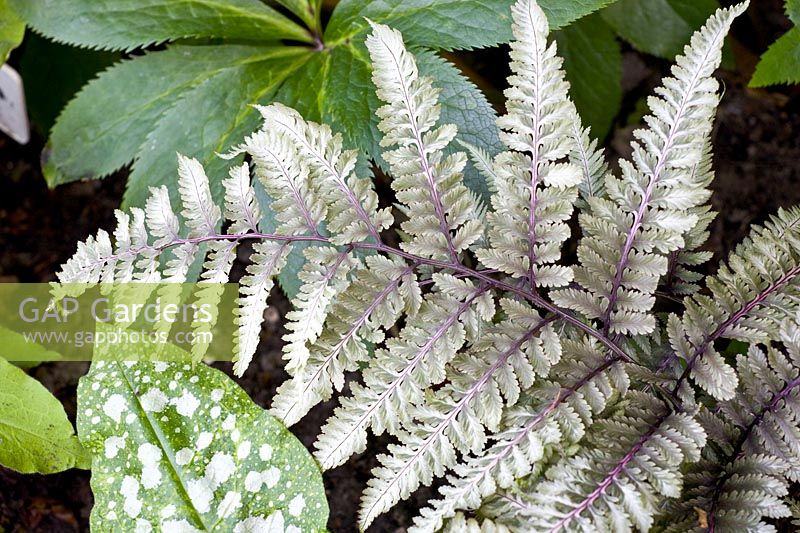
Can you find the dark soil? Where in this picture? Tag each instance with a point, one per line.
(757, 142)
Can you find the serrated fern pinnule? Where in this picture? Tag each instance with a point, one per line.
(681, 279)
(286, 178)
(380, 292)
(550, 396)
(587, 156)
(555, 416)
(397, 377)
(352, 205)
(614, 483)
(456, 417)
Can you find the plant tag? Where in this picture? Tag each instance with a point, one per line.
(13, 116)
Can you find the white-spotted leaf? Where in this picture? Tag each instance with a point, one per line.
(182, 448)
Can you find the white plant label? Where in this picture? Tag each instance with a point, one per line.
(13, 116)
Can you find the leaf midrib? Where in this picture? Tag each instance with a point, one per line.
(164, 445)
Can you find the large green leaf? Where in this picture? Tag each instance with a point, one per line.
(307, 91)
(35, 434)
(659, 27)
(447, 24)
(177, 448)
(353, 98)
(54, 73)
(12, 29)
(781, 63)
(104, 127)
(126, 112)
(127, 24)
(440, 24)
(593, 62)
(206, 119)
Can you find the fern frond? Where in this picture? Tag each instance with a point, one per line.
(755, 451)
(589, 158)
(455, 417)
(540, 419)
(164, 225)
(242, 209)
(145, 256)
(462, 524)
(268, 259)
(534, 190)
(558, 419)
(93, 261)
(241, 206)
(627, 237)
(482, 160)
(397, 376)
(749, 294)
(680, 278)
(200, 213)
(286, 178)
(429, 185)
(629, 460)
(324, 275)
(124, 235)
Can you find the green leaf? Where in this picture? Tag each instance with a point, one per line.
(307, 10)
(793, 10)
(12, 29)
(35, 434)
(446, 24)
(593, 62)
(351, 99)
(208, 119)
(560, 13)
(103, 128)
(182, 448)
(781, 63)
(128, 24)
(54, 73)
(25, 353)
(659, 27)
(306, 91)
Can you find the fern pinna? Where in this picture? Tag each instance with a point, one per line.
(550, 396)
